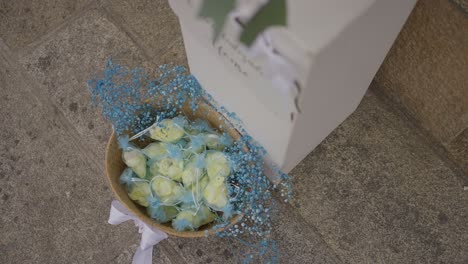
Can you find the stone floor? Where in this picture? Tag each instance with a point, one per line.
(377, 190)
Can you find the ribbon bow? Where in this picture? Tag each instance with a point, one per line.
(149, 235)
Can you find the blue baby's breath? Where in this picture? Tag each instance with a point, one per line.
(128, 99)
(153, 201)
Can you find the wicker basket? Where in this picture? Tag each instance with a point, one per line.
(115, 167)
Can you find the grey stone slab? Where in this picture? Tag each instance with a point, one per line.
(426, 69)
(159, 256)
(54, 203)
(378, 193)
(458, 149)
(151, 21)
(296, 240)
(299, 241)
(175, 54)
(23, 21)
(63, 64)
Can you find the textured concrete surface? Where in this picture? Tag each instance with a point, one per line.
(62, 65)
(458, 149)
(174, 55)
(151, 23)
(54, 200)
(375, 191)
(23, 21)
(426, 71)
(378, 192)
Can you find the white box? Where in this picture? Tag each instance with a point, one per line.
(335, 48)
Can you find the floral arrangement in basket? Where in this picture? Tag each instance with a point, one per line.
(182, 175)
(176, 163)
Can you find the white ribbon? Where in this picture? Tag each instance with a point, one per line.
(149, 235)
(277, 68)
(245, 9)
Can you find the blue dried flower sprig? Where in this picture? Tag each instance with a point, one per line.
(127, 98)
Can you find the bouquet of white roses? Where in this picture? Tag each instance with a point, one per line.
(181, 175)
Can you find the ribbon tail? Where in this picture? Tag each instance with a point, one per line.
(143, 256)
(118, 213)
(149, 238)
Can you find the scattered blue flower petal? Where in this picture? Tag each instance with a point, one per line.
(182, 225)
(197, 141)
(201, 126)
(226, 140)
(180, 121)
(124, 142)
(126, 176)
(174, 151)
(200, 161)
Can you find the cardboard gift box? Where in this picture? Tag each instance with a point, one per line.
(321, 66)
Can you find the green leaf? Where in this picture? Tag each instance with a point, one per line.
(216, 10)
(271, 14)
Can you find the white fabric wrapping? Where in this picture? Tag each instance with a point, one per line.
(149, 236)
(277, 68)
